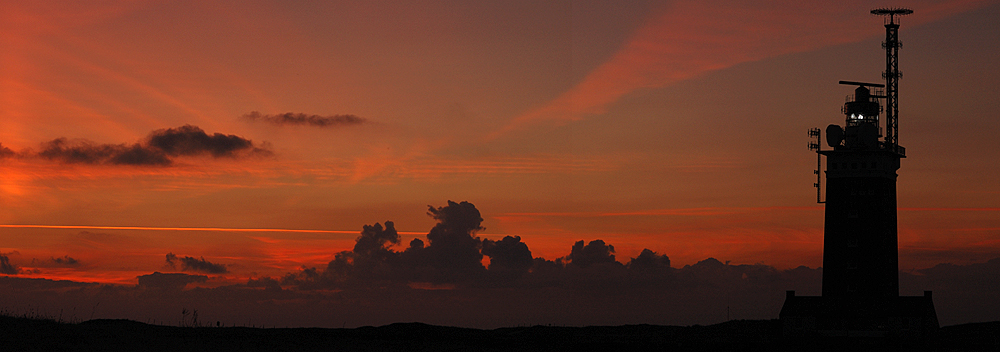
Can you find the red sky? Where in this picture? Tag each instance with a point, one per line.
(677, 127)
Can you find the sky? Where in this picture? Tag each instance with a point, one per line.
(239, 149)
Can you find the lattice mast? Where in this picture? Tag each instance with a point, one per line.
(892, 74)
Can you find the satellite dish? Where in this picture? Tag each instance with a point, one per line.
(834, 135)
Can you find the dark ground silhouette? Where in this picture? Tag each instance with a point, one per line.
(25, 334)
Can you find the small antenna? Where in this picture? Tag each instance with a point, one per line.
(814, 145)
(892, 12)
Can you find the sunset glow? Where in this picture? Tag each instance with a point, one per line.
(254, 141)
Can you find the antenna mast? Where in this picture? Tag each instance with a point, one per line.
(892, 74)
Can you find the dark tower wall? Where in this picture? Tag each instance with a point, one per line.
(860, 255)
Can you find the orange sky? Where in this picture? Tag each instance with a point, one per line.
(673, 126)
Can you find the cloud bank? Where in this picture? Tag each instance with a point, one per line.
(452, 256)
(300, 119)
(440, 279)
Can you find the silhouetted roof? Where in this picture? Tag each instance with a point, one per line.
(817, 306)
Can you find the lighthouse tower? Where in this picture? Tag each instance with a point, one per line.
(860, 258)
(860, 297)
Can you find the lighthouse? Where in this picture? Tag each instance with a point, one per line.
(860, 256)
(860, 298)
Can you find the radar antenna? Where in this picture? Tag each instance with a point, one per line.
(892, 74)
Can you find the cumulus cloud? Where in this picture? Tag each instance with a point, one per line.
(6, 267)
(5, 152)
(595, 252)
(649, 260)
(452, 254)
(196, 264)
(169, 281)
(508, 255)
(453, 245)
(299, 119)
(374, 239)
(159, 148)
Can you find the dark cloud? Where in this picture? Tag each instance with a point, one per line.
(453, 246)
(191, 140)
(86, 152)
(196, 264)
(595, 252)
(169, 281)
(452, 254)
(289, 118)
(63, 261)
(158, 149)
(649, 260)
(266, 283)
(5, 152)
(6, 267)
(374, 239)
(508, 255)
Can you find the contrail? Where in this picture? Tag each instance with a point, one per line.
(217, 229)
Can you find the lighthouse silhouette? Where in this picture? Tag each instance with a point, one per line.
(860, 303)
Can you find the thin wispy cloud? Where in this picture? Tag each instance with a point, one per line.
(681, 43)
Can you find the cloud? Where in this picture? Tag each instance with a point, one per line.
(298, 119)
(453, 246)
(266, 283)
(191, 140)
(170, 281)
(64, 261)
(195, 264)
(375, 239)
(86, 152)
(508, 255)
(159, 148)
(595, 252)
(452, 254)
(688, 39)
(6, 267)
(649, 260)
(6, 152)
(438, 272)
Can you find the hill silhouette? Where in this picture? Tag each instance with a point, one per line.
(27, 334)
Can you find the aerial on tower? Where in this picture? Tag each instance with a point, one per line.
(892, 74)
(862, 108)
